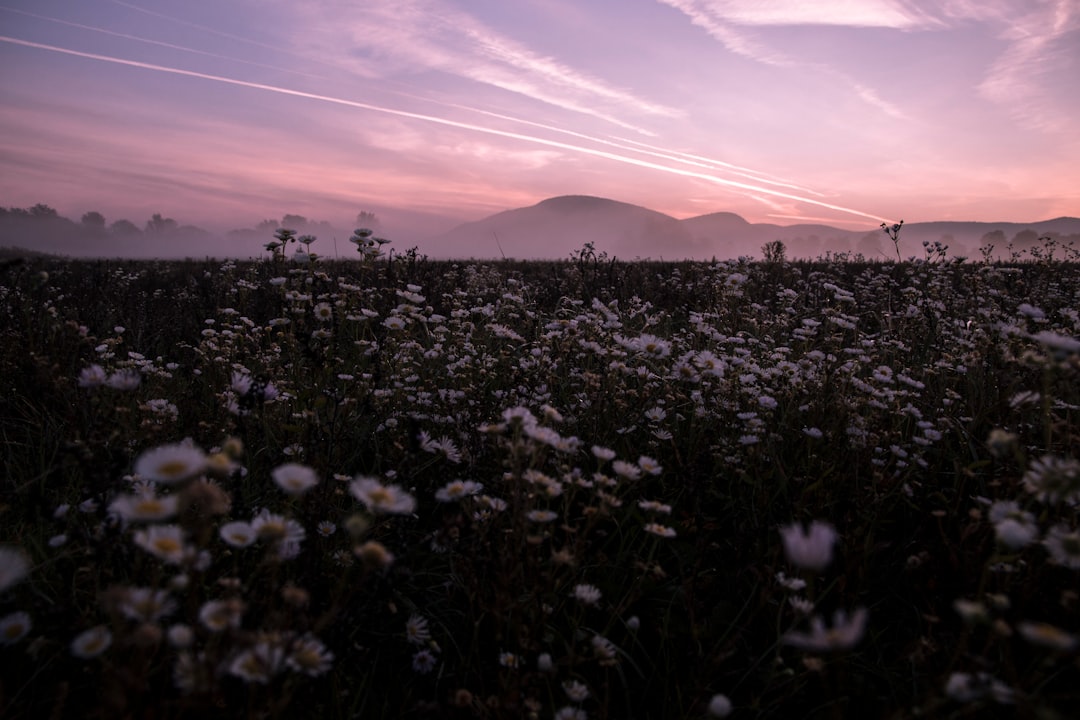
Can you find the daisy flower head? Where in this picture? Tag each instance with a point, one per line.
(165, 542)
(457, 490)
(91, 643)
(844, 634)
(146, 604)
(259, 663)
(603, 454)
(809, 549)
(14, 627)
(92, 376)
(575, 691)
(587, 594)
(660, 530)
(13, 567)
(382, 499)
(625, 470)
(719, 706)
(541, 516)
(277, 528)
(144, 507)
(649, 466)
(294, 478)
(424, 661)
(219, 615)
(309, 656)
(604, 650)
(416, 629)
(238, 533)
(169, 464)
(1052, 479)
(374, 554)
(1063, 545)
(1047, 636)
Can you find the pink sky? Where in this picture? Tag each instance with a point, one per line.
(842, 111)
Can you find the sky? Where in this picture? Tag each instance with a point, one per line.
(223, 113)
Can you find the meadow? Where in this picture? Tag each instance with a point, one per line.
(401, 488)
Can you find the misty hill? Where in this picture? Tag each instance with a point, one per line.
(558, 226)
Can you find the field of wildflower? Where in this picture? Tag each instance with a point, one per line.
(583, 489)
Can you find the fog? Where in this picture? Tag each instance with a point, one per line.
(552, 229)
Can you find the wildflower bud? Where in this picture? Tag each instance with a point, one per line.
(543, 663)
(203, 498)
(146, 635)
(296, 596)
(357, 525)
(1001, 443)
(719, 706)
(463, 698)
(220, 465)
(233, 447)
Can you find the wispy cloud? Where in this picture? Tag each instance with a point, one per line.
(852, 13)
(413, 36)
(1041, 41)
(748, 189)
(157, 43)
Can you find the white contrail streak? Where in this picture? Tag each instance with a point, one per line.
(159, 43)
(449, 123)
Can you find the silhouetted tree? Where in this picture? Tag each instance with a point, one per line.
(1025, 239)
(94, 220)
(267, 226)
(158, 224)
(365, 219)
(123, 228)
(294, 222)
(42, 211)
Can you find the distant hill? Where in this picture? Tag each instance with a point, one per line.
(556, 227)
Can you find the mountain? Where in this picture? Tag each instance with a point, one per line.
(556, 227)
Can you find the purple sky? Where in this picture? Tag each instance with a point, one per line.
(224, 113)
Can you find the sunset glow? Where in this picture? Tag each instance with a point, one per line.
(434, 112)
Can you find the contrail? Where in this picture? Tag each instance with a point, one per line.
(644, 149)
(449, 123)
(197, 25)
(136, 38)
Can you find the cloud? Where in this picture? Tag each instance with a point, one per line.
(850, 13)
(417, 36)
(157, 43)
(1041, 43)
(738, 186)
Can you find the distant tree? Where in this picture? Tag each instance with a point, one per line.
(94, 220)
(267, 226)
(995, 238)
(42, 211)
(365, 219)
(774, 251)
(294, 222)
(122, 228)
(158, 224)
(1025, 239)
